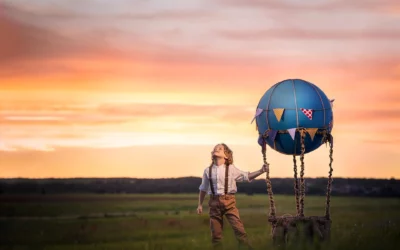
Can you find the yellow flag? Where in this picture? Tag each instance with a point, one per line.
(311, 132)
(278, 113)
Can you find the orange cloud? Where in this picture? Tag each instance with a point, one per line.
(120, 113)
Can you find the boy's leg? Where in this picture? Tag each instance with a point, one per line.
(216, 222)
(232, 214)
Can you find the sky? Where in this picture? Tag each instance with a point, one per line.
(146, 88)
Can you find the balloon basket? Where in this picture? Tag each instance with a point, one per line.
(295, 229)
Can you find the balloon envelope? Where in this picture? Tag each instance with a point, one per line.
(288, 106)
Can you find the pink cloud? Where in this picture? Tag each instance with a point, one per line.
(329, 6)
(296, 33)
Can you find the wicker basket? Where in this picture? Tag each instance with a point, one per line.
(285, 229)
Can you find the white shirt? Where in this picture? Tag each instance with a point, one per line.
(218, 173)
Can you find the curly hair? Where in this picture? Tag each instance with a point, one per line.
(228, 153)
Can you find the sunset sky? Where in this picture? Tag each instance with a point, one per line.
(97, 88)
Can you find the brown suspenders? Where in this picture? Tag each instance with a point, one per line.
(226, 179)
(210, 178)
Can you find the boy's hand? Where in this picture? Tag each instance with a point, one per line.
(265, 167)
(199, 209)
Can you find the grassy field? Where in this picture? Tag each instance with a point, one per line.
(170, 222)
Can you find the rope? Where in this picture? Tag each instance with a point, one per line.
(272, 211)
(324, 137)
(329, 187)
(302, 184)
(296, 185)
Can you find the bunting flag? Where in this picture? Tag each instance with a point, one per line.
(292, 132)
(258, 112)
(272, 134)
(311, 132)
(278, 113)
(307, 112)
(332, 102)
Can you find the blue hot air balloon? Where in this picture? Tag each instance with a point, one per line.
(295, 117)
(289, 108)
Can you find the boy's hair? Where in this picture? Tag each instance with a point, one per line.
(228, 153)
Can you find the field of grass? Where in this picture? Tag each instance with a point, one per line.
(168, 221)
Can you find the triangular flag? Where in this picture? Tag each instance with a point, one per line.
(307, 112)
(258, 112)
(278, 113)
(311, 132)
(292, 132)
(272, 134)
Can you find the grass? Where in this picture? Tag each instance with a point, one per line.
(168, 221)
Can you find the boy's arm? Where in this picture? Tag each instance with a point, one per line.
(203, 191)
(241, 176)
(255, 174)
(202, 194)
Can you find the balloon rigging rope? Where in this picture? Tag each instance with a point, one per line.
(272, 211)
(327, 137)
(302, 184)
(329, 186)
(296, 185)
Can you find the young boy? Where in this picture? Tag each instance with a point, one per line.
(219, 181)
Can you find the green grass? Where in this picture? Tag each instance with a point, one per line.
(169, 222)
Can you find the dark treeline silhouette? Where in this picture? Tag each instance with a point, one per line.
(314, 186)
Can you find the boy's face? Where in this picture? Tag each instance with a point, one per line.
(219, 151)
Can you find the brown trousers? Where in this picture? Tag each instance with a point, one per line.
(225, 205)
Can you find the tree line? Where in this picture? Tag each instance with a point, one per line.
(314, 186)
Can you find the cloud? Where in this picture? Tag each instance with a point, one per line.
(88, 53)
(82, 120)
(25, 41)
(166, 15)
(104, 114)
(389, 141)
(21, 40)
(292, 33)
(379, 116)
(94, 10)
(162, 109)
(32, 48)
(335, 5)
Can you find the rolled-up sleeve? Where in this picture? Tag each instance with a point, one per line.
(205, 183)
(239, 175)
